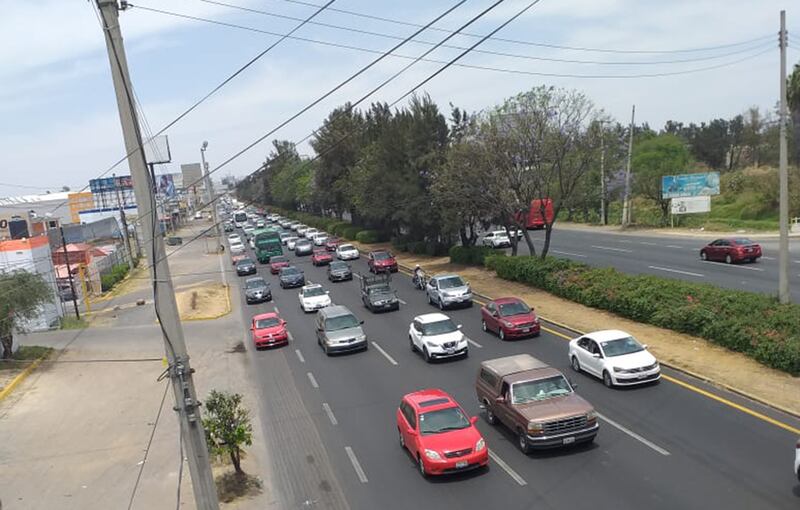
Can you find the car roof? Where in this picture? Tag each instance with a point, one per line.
(607, 335)
(346, 245)
(431, 317)
(446, 275)
(513, 364)
(335, 311)
(259, 278)
(506, 300)
(311, 286)
(430, 399)
(268, 315)
(291, 267)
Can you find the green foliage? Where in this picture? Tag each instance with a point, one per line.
(370, 236)
(470, 255)
(754, 324)
(227, 425)
(116, 275)
(654, 158)
(21, 295)
(351, 233)
(72, 323)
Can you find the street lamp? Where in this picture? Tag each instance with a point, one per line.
(210, 193)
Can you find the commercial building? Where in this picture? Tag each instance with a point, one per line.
(33, 255)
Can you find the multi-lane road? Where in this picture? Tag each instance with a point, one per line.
(671, 256)
(332, 441)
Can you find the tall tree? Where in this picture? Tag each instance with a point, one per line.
(654, 158)
(22, 295)
(793, 98)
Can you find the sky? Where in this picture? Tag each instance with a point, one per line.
(59, 124)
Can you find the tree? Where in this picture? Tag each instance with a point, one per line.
(21, 296)
(793, 98)
(652, 159)
(228, 427)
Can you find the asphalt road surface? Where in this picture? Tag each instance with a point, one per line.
(671, 256)
(331, 432)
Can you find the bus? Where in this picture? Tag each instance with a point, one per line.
(240, 218)
(267, 243)
(539, 215)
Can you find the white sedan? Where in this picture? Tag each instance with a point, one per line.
(347, 252)
(615, 357)
(313, 297)
(291, 242)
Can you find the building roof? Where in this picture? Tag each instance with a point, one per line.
(34, 199)
(24, 244)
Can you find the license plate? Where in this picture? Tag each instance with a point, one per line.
(526, 330)
(641, 376)
(461, 464)
(569, 440)
(450, 351)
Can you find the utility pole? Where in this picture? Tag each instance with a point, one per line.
(783, 179)
(179, 370)
(602, 175)
(210, 196)
(626, 202)
(69, 273)
(124, 221)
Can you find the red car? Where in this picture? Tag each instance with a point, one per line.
(509, 317)
(730, 250)
(269, 330)
(332, 243)
(321, 257)
(277, 262)
(438, 434)
(379, 261)
(236, 258)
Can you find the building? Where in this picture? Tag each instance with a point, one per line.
(51, 206)
(33, 255)
(81, 201)
(22, 226)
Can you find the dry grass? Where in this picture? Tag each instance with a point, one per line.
(203, 301)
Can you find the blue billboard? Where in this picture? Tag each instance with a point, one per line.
(690, 185)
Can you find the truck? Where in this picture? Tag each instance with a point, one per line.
(539, 214)
(535, 401)
(267, 243)
(376, 293)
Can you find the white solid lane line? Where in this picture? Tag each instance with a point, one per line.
(647, 243)
(513, 474)
(277, 311)
(402, 302)
(624, 241)
(568, 253)
(473, 342)
(300, 355)
(312, 380)
(612, 249)
(634, 435)
(767, 258)
(737, 266)
(676, 271)
(385, 354)
(362, 476)
(675, 246)
(329, 412)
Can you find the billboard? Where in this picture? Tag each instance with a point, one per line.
(166, 185)
(690, 185)
(107, 184)
(157, 150)
(192, 174)
(690, 205)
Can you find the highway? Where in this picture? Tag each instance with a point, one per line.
(332, 441)
(670, 256)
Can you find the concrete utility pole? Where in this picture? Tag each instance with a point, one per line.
(626, 202)
(602, 175)
(210, 196)
(180, 373)
(124, 222)
(69, 273)
(783, 178)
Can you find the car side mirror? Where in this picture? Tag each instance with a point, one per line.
(459, 326)
(572, 383)
(501, 399)
(361, 322)
(644, 346)
(412, 432)
(473, 420)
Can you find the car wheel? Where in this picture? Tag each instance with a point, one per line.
(501, 334)
(430, 299)
(421, 466)
(426, 355)
(753, 260)
(703, 256)
(483, 326)
(491, 419)
(576, 365)
(441, 303)
(522, 442)
(728, 259)
(607, 380)
(411, 342)
(400, 438)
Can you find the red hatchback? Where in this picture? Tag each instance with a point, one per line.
(730, 250)
(380, 261)
(332, 243)
(438, 434)
(321, 257)
(277, 262)
(509, 317)
(269, 330)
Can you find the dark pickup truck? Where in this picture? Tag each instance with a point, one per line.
(377, 295)
(535, 401)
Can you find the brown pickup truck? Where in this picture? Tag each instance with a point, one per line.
(535, 401)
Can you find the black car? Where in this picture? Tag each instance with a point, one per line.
(256, 290)
(291, 277)
(339, 271)
(303, 247)
(377, 295)
(245, 267)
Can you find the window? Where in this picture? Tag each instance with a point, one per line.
(267, 323)
(583, 343)
(491, 308)
(514, 308)
(408, 414)
(488, 377)
(451, 282)
(438, 327)
(435, 422)
(541, 389)
(504, 391)
(341, 322)
(621, 346)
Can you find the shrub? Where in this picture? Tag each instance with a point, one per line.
(370, 236)
(470, 255)
(117, 273)
(754, 324)
(351, 232)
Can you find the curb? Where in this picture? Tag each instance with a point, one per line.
(19, 378)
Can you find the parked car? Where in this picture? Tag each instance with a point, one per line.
(448, 290)
(435, 430)
(313, 297)
(332, 243)
(256, 290)
(245, 267)
(321, 257)
(276, 262)
(291, 277)
(496, 239)
(339, 271)
(377, 295)
(339, 330)
(303, 247)
(381, 261)
(436, 336)
(347, 252)
(198, 215)
(730, 250)
(535, 401)
(509, 317)
(291, 242)
(268, 330)
(615, 357)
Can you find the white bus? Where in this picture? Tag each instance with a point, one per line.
(240, 218)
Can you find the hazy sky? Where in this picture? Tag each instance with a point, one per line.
(58, 116)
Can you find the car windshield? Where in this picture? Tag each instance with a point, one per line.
(621, 347)
(338, 266)
(381, 255)
(515, 308)
(254, 284)
(313, 292)
(267, 323)
(341, 322)
(278, 258)
(288, 271)
(451, 282)
(442, 420)
(742, 240)
(541, 389)
(438, 327)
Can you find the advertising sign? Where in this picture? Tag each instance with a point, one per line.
(192, 174)
(690, 185)
(166, 185)
(107, 184)
(690, 205)
(157, 150)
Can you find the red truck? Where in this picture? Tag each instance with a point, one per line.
(540, 213)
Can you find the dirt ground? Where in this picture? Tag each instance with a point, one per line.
(203, 301)
(694, 355)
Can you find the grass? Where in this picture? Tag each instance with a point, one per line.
(25, 355)
(73, 323)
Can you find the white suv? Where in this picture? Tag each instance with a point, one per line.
(496, 239)
(436, 336)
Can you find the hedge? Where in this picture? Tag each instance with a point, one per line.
(370, 236)
(351, 232)
(470, 255)
(750, 323)
(108, 280)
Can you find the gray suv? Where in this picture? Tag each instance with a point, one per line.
(339, 330)
(446, 290)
